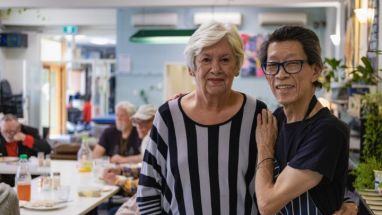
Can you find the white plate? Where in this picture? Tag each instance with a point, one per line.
(33, 205)
(9, 159)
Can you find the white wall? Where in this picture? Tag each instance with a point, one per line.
(1, 64)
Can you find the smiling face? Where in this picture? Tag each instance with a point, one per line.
(296, 88)
(215, 69)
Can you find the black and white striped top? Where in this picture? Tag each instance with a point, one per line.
(190, 168)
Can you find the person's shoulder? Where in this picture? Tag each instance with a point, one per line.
(165, 107)
(279, 113)
(28, 129)
(111, 130)
(255, 101)
(326, 121)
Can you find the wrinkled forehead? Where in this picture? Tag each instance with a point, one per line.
(9, 125)
(285, 49)
(121, 111)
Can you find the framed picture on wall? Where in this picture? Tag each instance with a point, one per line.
(252, 65)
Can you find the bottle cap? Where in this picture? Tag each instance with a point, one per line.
(23, 157)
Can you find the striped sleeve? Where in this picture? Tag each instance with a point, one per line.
(149, 194)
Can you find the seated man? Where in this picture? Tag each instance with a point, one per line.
(16, 138)
(121, 142)
(143, 121)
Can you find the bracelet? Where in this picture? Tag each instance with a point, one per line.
(265, 159)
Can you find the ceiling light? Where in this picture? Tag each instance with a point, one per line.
(162, 36)
(101, 41)
(364, 14)
(228, 18)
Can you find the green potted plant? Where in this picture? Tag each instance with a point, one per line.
(371, 158)
(365, 74)
(332, 72)
(333, 78)
(364, 175)
(364, 78)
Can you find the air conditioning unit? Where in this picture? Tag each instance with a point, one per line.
(155, 19)
(282, 19)
(225, 17)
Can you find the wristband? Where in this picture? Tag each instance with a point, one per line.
(265, 159)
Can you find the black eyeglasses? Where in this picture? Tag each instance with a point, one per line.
(290, 67)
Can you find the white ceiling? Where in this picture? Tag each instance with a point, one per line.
(162, 3)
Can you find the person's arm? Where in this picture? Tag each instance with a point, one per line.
(291, 183)
(347, 208)
(126, 159)
(30, 138)
(273, 196)
(98, 151)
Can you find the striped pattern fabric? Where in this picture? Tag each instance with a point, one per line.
(302, 205)
(189, 168)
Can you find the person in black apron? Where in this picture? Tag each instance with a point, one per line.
(302, 148)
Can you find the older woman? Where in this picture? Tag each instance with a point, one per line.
(202, 149)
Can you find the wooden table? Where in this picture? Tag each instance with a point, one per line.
(71, 177)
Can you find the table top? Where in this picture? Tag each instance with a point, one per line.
(11, 168)
(75, 180)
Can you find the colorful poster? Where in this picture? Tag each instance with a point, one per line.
(252, 65)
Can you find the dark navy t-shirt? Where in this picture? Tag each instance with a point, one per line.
(111, 140)
(320, 144)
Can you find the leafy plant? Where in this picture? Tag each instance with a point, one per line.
(332, 72)
(365, 73)
(372, 114)
(365, 175)
(372, 143)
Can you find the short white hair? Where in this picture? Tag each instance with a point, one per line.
(209, 34)
(126, 106)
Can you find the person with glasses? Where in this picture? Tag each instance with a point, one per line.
(302, 157)
(16, 138)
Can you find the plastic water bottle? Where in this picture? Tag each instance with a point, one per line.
(23, 179)
(84, 156)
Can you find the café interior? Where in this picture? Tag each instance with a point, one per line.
(58, 58)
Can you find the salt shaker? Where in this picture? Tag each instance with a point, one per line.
(56, 180)
(47, 161)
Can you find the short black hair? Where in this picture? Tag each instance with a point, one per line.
(307, 38)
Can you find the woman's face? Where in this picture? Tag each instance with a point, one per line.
(291, 88)
(215, 69)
